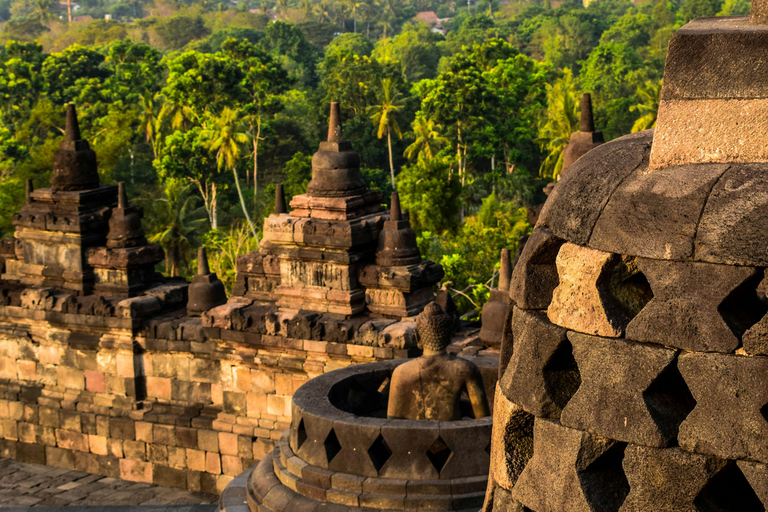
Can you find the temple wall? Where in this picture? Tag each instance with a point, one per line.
(161, 399)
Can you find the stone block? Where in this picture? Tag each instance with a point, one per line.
(72, 440)
(356, 438)
(542, 374)
(511, 441)
(697, 306)
(70, 378)
(98, 444)
(94, 381)
(122, 428)
(729, 418)
(159, 387)
(666, 480)
(598, 293)
(169, 477)
(732, 222)
(629, 392)
(535, 275)
(195, 459)
(409, 442)
(571, 471)
(164, 435)
(30, 453)
(663, 220)
(577, 201)
(59, 457)
(212, 463)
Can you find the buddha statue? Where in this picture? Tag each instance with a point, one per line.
(430, 387)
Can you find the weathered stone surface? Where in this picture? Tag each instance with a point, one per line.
(541, 375)
(629, 391)
(655, 213)
(511, 440)
(578, 199)
(571, 471)
(666, 480)
(598, 293)
(731, 393)
(734, 222)
(757, 476)
(714, 58)
(535, 275)
(697, 306)
(504, 502)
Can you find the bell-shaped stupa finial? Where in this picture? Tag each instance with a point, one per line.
(202, 262)
(394, 209)
(505, 271)
(587, 121)
(72, 130)
(122, 197)
(30, 189)
(74, 164)
(334, 125)
(280, 206)
(206, 291)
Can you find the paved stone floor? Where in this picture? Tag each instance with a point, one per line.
(43, 489)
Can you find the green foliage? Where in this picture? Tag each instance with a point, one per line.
(429, 192)
(204, 106)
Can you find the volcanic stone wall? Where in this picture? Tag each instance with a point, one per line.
(132, 388)
(634, 360)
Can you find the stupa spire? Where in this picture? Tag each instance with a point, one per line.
(334, 125)
(394, 211)
(587, 121)
(72, 130)
(202, 262)
(280, 206)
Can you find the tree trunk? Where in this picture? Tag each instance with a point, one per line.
(355, 24)
(391, 164)
(242, 204)
(256, 164)
(214, 213)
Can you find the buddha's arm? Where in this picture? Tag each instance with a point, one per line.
(476, 393)
(397, 400)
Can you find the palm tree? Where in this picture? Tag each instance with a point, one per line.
(324, 11)
(561, 121)
(151, 108)
(42, 10)
(385, 116)
(428, 139)
(227, 138)
(177, 221)
(354, 7)
(648, 106)
(178, 115)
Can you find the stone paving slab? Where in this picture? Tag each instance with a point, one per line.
(24, 486)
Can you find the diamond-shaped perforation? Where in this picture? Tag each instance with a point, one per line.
(728, 491)
(301, 434)
(439, 454)
(764, 412)
(379, 452)
(332, 446)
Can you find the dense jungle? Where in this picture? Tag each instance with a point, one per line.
(201, 107)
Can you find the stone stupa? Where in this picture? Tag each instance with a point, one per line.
(638, 376)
